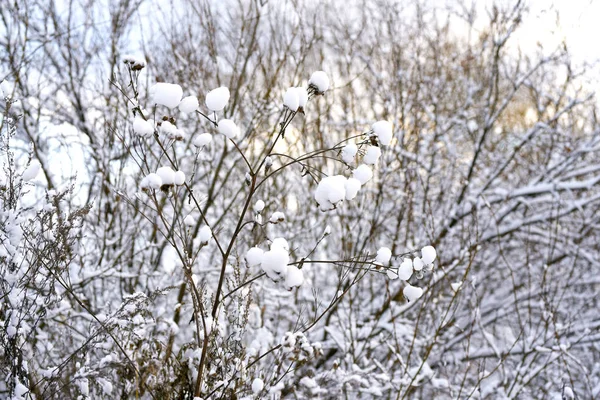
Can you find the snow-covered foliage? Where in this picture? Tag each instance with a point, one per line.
(419, 221)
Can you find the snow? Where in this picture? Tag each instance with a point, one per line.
(302, 96)
(20, 391)
(327, 230)
(142, 127)
(277, 216)
(352, 187)
(217, 99)
(205, 234)
(392, 273)
(291, 99)
(274, 262)
(171, 131)
(456, 286)
(254, 256)
(151, 181)
(257, 385)
(384, 255)
(428, 255)
(405, 270)
(268, 163)
(330, 191)
(363, 173)
(349, 152)
(568, 393)
(412, 293)
(179, 178)
(320, 81)
(372, 155)
(167, 175)
(166, 94)
(259, 206)
(281, 243)
(228, 128)
(136, 61)
(202, 139)
(189, 104)
(418, 264)
(293, 277)
(383, 131)
(189, 220)
(6, 89)
(31, 171)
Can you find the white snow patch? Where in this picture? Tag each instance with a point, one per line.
(217, 99)
(277, 217)
(412, 293)
(372, 155)
(166, 94)
(143, 127)
(384, 255)
(405, 270)
(320, 81)
(291, 99)
(228, 128)
(383, 131)
(254, 256)
(202, 139)
(189, 104)
(363, 173)
(349, 152)
(331, 191)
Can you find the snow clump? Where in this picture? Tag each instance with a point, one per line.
(302, 97)
(205, 234)
(217, 99)
(166, 94)
(142, 127)
(320, 81)
(151, 181)
(228, 128)
(291, 99)
(405, 270)
(372, 155)
(383, 131)
(293, 277)
(254, 256)
(331, 191)
(349, 152)
(428, 254)
(352, 187)
(277, 217)
(31, 171)
(202, 139)
(167, 175)
(274, 262)
(257, 385)
(6, 89)
(189, 104)
(363, 173)
(418, 264)
(384, 255)
(259, 206)
(412, 293)
(179, 178)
